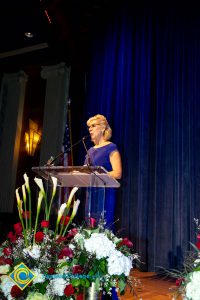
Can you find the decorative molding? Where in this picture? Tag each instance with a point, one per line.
(54, 70)
(23, 50)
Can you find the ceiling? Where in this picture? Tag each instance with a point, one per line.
(58, 22)
(51, 24)
(18, 17)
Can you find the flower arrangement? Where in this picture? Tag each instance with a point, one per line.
(188, 279)
(38, 262)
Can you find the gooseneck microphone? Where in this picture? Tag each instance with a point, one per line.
(52, 159)
(88, 155)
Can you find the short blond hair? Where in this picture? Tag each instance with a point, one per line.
(100, 119)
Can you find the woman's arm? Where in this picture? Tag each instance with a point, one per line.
(115, 160)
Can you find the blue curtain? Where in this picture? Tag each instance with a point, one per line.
(144, 77)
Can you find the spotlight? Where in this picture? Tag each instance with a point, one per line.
(29, 34)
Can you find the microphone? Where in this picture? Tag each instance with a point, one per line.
(89, 164)
(52, 159)
(86, 149)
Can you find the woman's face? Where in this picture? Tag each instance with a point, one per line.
(95, 130)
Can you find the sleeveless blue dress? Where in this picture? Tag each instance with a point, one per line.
(95, 196)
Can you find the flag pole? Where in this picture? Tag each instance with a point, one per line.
(70, 128)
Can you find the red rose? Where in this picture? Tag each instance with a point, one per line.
(18, 228)
(179, 281)
(72, 233)
(79, 297)
(64, 220)
(65, 252)
(7, 251)
(60, 239)
(2, 260)
(16, 292)
(69, 290)
(77, 269)
(50, 270)
(39, 236)
(45, 224)
(92, 222)
(8, 261)
(126, 242)
(198, 244)
(26, 214)
(12, 237)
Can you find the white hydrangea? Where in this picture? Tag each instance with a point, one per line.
(192, 288)
(196, 262)
(37, 296)
(32, 251)
(119, 264)
(99, 245)
(4, 269)
(56, 287)
(79, 239)
(71, 246)
(39, 277)
(64, 269)
(6, 286)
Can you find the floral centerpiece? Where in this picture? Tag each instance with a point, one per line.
(39, 261)
(188, 279)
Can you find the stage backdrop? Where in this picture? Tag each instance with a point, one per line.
(145, 78)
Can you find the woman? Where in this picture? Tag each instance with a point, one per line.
(104, 153)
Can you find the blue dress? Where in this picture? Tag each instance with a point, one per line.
(95, 196)
(94, 200)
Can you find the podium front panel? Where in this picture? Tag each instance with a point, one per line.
(80, 176)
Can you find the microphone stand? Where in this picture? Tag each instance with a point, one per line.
(53, 159)
(98, 177)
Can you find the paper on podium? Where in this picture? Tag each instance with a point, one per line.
(80, 176)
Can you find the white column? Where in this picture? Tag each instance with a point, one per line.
(11, 115)
(57, 93)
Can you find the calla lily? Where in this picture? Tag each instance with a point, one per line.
(60, 213)
(73, 191)
(20, 210)
(40, 197)
(24, 199)
(26, 179)
(19, 202)
(39, 182)
(17, 196)
(74, 211)
(75, 208)
(24, 193)
(19, 205)
(54, 179)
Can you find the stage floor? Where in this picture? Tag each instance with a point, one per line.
(152, 287)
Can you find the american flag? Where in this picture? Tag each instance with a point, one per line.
(67, 155)
(67, 139)
(67, 151)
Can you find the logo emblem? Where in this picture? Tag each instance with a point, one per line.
(22, 276)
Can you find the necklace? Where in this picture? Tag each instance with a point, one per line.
(102, 144)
